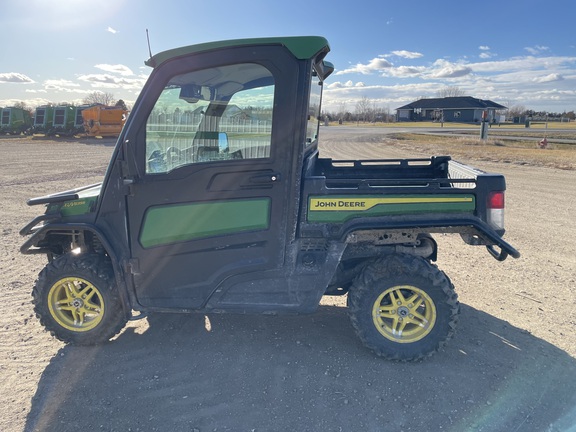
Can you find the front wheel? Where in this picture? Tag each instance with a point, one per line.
(403, 308)
(77, 301)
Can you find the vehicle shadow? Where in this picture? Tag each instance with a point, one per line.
(303, 373)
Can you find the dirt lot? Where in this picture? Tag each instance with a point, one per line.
(511, 366)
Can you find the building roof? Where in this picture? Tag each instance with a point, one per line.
(459, 102)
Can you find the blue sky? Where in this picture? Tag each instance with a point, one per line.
(391, 52)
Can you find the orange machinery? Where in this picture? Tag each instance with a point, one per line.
(101, 120)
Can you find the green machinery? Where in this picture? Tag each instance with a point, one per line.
(59, 120)
(14, 121)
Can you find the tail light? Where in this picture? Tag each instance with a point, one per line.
(495, 209)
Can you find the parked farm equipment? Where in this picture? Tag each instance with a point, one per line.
(14, 121)
(101, 120)
(62, 120)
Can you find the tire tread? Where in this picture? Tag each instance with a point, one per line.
(395, 266)
(95, 267)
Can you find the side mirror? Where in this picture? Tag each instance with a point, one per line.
(222, 142)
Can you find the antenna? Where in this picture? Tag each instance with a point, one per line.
(148, 39)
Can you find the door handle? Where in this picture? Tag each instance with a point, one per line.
(265, 178)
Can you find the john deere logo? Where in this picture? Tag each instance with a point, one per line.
(338, 204)
(71, 204)
(342, 208)
(360, 203)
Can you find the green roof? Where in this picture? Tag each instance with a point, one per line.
(302, 47)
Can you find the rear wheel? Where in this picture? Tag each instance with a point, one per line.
(76, 299)
(403, 308)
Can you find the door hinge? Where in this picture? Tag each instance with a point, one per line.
(128, 186)
(133, 266)
(127, 180)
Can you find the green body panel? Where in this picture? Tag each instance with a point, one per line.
(181, 222)
(86, 203)
(74, 208)
(302, 47)
(339, 209)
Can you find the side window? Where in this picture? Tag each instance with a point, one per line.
(314, 110)
(5, 117)
(216, 114)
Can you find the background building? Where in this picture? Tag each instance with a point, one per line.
(463, 109)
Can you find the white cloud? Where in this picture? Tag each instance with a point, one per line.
(59, 83)
(14, 77)
(30, 102)
(111, 30)
(110, 81)
(382, 95)
(61, 86)
(118, 68)
(486, 55)
(522, 64)
(335, 85)
(407, 54)
(347, 84)
(377, 64)
(548, 78)
(451, 72)
(446, 69)
(484, 48)
(99, 78)
(537, 49)
(406, 71)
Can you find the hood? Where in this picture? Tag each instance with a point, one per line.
(72, 202)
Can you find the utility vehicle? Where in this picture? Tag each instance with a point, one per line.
(217, 200)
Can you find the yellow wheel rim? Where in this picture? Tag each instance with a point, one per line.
(76, 304)
(404, 314)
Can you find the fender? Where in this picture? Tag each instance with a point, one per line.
(31, 247)
(456, 225)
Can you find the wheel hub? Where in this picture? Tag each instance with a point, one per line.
(404, 314)
(77, 303)
(403, 311)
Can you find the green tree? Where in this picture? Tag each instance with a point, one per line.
(121, 104)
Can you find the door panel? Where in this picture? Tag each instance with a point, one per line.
(173, 223)
(210, 208)
(192, 235)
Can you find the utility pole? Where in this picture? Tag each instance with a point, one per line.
(484, 126)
